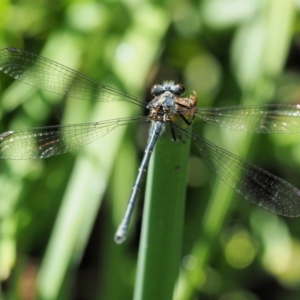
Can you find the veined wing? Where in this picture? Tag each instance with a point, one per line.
(269, 118)
(44, 142)
(51, 76)
(250, 181)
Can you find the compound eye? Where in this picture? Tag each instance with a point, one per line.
(179, 89)
(156, 90)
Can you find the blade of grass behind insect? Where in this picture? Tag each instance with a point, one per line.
(81, 201)
(160, 246)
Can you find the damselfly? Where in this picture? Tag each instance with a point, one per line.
(168, 104)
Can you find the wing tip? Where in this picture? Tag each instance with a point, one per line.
(12, 50)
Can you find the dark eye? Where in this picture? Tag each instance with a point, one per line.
(178, 89)
(156, 90)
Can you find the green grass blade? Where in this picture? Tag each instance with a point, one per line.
(160, 247)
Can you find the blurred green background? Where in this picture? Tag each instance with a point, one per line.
(58, 216)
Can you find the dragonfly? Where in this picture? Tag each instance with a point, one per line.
(165, 109)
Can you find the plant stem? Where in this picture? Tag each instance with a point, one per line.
(160, 247)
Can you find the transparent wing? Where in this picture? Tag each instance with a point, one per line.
(257, 118)
(43, 142)
(250, 181)
(51, 76)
